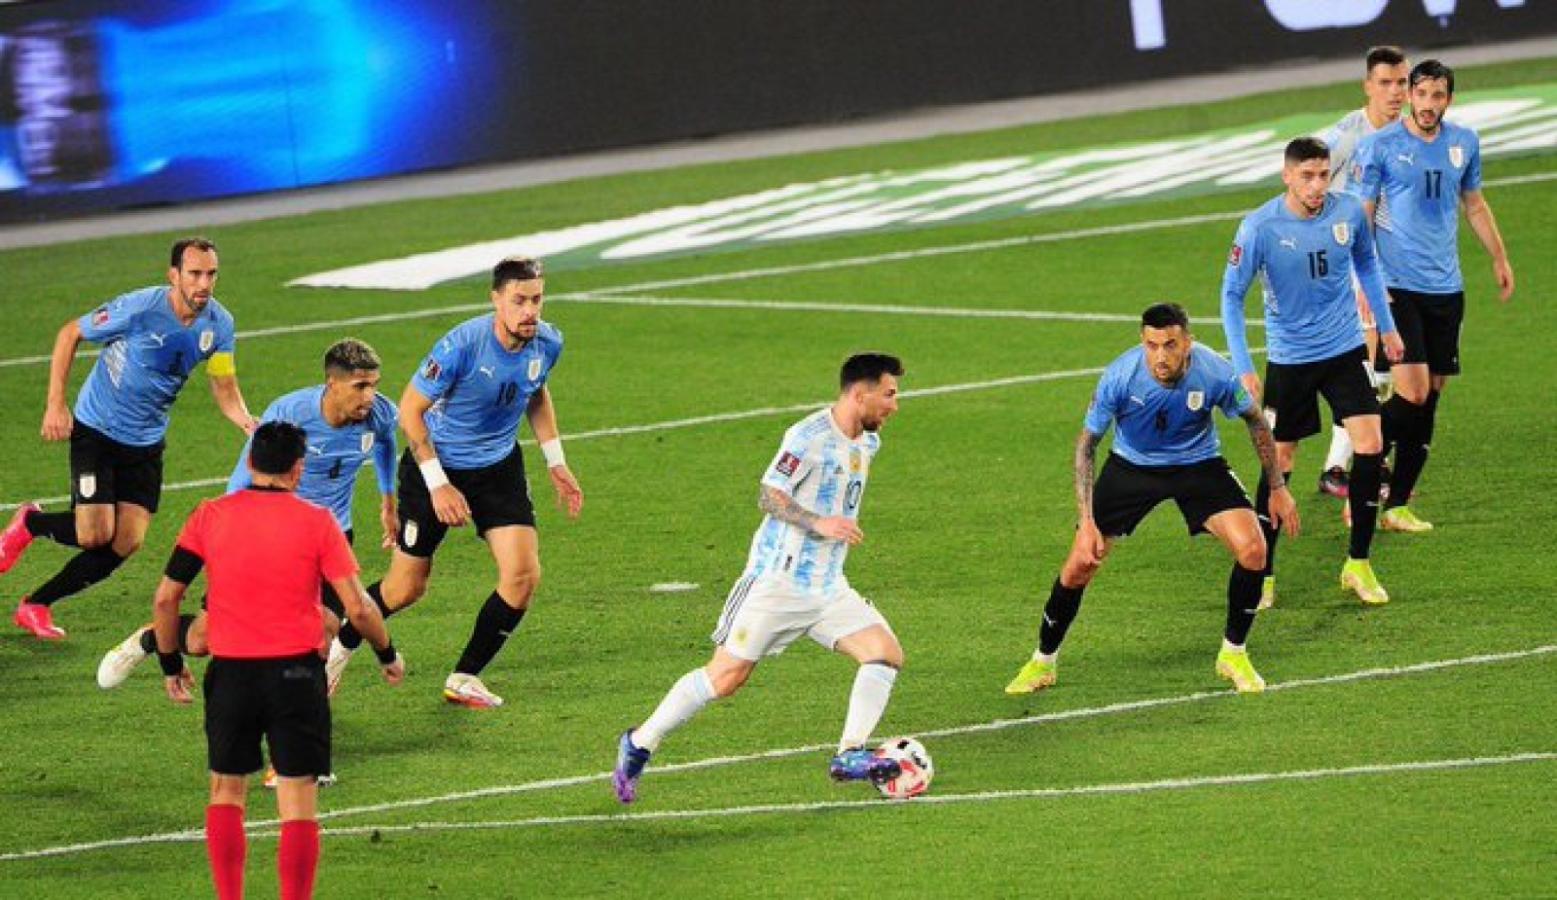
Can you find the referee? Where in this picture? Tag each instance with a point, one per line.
(267, 552)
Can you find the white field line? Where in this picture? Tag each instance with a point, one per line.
(1128, 787)
(718, 761)
(694, 421)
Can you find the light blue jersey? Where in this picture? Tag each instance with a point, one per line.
(335, 455)
(1166, 426)
(480, 390)
(1417, 185)
(825, 472)
(1305, 267)
(147, 357)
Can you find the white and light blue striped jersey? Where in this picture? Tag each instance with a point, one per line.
(825, 471)
(1161, 425)
(147, 357)
(480, 390)
(1417, 185)
(1343, 139)
(335, 455)
(1305, 267)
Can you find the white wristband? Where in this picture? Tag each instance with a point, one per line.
(432, 473)
(552, 450)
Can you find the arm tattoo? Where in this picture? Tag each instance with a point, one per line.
(783, 507)
(1265, 448)
(1086, 464)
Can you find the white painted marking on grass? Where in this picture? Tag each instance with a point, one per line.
(743, 275)
(1128, 787)
(673, 587)
(718, 761)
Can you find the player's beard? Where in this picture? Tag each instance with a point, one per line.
(1428, 127)
(1172, 376)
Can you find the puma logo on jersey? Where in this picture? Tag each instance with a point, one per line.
(489, 371)
(315, 449)
(1289, 243)
(1135, 399)
(161, 339)
(1407, 158)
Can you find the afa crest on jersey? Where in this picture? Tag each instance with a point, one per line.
(1195, 400)
(1342, 232)
(1457, 156)
(367, 441)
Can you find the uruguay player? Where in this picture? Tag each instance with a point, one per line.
(347, 422)
(794, 582)
(1418, 172)
(460, 414)
(153, 339)
(1385, 88)
(1161, 394)
(1305, 245)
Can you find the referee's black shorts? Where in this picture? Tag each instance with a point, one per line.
(282, 701)
(1292, 392)
(498, 495)
(1125, 493)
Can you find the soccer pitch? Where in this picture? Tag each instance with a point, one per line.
(1406, 750)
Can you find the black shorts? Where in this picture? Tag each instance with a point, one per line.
(1429, 326)
(281, 700)
(498, 495)
(1125, 493)
(102, 470)
(1292, 393)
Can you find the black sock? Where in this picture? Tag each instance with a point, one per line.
(1262, 509)
(1058, 613)
(149, 636)
(84, 570)
(58, 527)
(1243, 601)
(1363, 501)
(1411, 454)
(348, 635)
(496, 621)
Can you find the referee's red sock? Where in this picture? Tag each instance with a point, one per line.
(227, 846)
(298, 858)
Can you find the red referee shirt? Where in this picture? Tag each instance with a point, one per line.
(266, 553)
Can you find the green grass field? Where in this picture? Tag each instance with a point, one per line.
(1366, 771)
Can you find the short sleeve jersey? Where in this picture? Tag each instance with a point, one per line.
(266, 554)
(825, 471)
(147, 356)
(1343, 138)
(1160, 425)
(1305, 269)
(1417, 185)
(480, 388)
(335, 455)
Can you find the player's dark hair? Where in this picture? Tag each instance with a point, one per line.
(276, 448)
(1165, 315)
(176, 258)
(1432, 69)
(349, 355)
(515, 268)
(868, 367)
(1303, 149)
(1386, 55)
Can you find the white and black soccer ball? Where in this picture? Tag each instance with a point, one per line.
(916, 769)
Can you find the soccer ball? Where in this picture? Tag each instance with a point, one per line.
(917, 769)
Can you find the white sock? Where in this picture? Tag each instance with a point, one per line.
(872, 688)
(1043, 657)
(1340, 449)
(687, 696)
(1227, 645)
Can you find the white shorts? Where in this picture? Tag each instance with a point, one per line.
(763, 616)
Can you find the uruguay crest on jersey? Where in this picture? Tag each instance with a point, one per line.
(367, 441)
(1195, 400)
(1342, 232)
(534, 371)
(1457, 156)
(207, 340)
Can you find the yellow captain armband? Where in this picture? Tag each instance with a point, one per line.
(221, 365)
